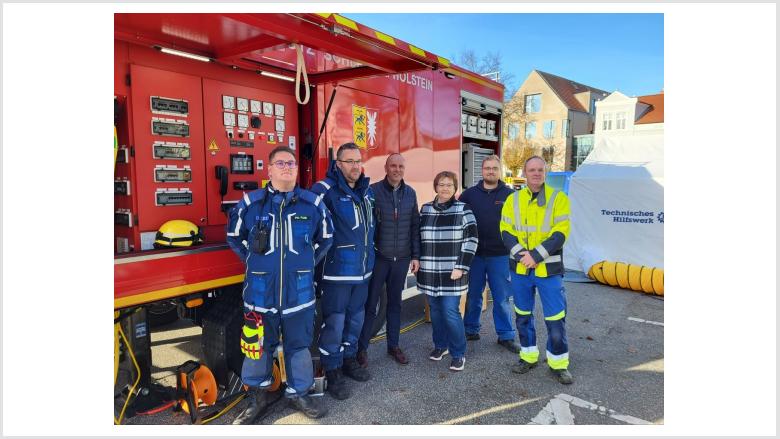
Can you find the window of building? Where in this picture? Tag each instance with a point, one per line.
(530, 130)
(580, 148)
(549, 129)
(533, 103)
(593, 106)
(620, 120)
(606, 122)
(513, 130)
(548, 154)
(565, 128)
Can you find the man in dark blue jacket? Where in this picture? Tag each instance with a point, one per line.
(491, 262)
(346, 271)
(280, 232)
(397, 246)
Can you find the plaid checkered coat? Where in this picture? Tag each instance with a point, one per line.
(448, 235)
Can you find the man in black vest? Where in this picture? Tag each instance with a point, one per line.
(397, 245)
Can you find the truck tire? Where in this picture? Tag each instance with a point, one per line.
(161, 313)
(222, 325)
(381, 315)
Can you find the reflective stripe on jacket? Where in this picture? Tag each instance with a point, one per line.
(539, 225)
(299, 234)
(351, 258)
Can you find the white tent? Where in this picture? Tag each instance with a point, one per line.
(617, 204)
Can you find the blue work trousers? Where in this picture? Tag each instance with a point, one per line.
(553, 297)
(343, 309)
(494, 270)
(297, 332)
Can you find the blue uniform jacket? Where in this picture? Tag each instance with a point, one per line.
(281, 279)
(351, 258)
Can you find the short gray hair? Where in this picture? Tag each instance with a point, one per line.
(534, 157)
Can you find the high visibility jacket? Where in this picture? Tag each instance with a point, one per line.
(539, 225)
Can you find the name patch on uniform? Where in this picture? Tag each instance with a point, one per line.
(301, 217)
(345, 199)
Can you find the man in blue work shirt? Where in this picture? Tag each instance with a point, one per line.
(347, 269)
(280, 232)
(397, 246)
(491, 262)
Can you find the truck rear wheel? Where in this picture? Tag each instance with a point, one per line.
(221, 337)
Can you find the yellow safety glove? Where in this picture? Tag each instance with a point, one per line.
(252, 335)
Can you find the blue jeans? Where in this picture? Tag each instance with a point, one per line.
(343, 308)
(297, 332)
(553, 296)
(494, 269)
(448, 332)
(392, 273)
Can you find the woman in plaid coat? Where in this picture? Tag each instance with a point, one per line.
(448, 233)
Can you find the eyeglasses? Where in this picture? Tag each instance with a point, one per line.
(445, 185)
(351, 162)
(280, 164)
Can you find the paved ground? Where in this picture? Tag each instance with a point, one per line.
(616, 348)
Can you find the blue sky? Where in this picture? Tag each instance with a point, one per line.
(622, 52)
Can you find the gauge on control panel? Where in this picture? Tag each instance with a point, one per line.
(268, 108)
(229, 119)
(241, 164)
(228, 102)
(243, 104)
(279, 110)
(243, 121)
(255, 106)
(279, 125)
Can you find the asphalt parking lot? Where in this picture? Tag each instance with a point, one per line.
(616, 351)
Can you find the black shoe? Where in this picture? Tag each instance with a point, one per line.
(438, 354)
(458, 364)
(563, 376)
(510, 345)
(523, 367)
(309, 406)
(258, 402)
(353, 370)
(335, 384)
(472, 337)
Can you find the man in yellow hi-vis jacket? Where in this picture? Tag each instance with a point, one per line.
(534, 225)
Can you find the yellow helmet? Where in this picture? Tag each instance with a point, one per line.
(178, 233)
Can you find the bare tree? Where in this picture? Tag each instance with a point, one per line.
(490, 65)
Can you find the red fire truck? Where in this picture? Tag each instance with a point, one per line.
(200, 101)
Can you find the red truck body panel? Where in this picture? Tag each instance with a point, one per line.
(390, 97)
